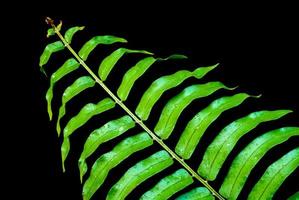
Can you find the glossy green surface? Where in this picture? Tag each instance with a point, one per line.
(294, 196)
(137, 71)
(168, 186)
(199, 193)
(89, 46)
(164, 83)
(202, 120)
(250, 156)
(225, 141)
(88, 111)
(139, 173)
(50, 48)
(274, 176)
(69, 66)
(70, 33)
(110, 61)
(107, 161)
(70, 92)
(107, 132)
(177, 104)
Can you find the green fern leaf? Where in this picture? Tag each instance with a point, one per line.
(249, 156)
(161, 85)
(106, 162)
(168, 186)
(140, 172)
(225, 141)
(274, 176)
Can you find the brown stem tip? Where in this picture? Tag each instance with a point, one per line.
(49, 21)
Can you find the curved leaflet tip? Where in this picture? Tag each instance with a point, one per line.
(88, 111)
(110, 61)
(108, 161)
(78, 86)
(222, 145)
(163, 84)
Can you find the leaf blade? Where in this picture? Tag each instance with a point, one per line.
(177, 104)
(274, 176)
(250, 156)
(88, 111)
(90, 45)
(103, 134)
(139, 173)
(78, 86)
(69, 66)
(196, 127)
(168, 186)
(164, 83)
(107, 161)
(110, 61)
(199, 193)
(215, 155)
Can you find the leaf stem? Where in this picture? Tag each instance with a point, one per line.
(134, 117)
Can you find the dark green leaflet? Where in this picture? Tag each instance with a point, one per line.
(97, 40)
(137, 71)
(177, 104)
(168, 186)
(202, 120)
(70, 33)
(109, 62)
(77, 87)
(54, 47)
(164, 83)
(88, 111)
(249, 157)
(69, 66)
(274, 176)
(106, 162)
(294, 196)
(140, 172)
(199, 193)
(222, 145)
(110, 130)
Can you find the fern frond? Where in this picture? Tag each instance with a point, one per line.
(214, 156)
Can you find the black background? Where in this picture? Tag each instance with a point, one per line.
(257, 50)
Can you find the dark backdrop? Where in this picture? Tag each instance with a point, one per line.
(257, 50)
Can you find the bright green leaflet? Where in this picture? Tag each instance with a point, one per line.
(54, 47)
(106, 162)
(222, 145)
(137, 71)
(199, 193)
(140, 172)
(168, 186)
(294, 196)
(51, 31)
(50, 48)
(110, 61)
(88, 111)
(107, 132)
(177, 104)
(164, 83)
(274, 176)
(202, 120)
(70, 92)
(70, 33)
(89, 46)
(250, 156)
(69, 66)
